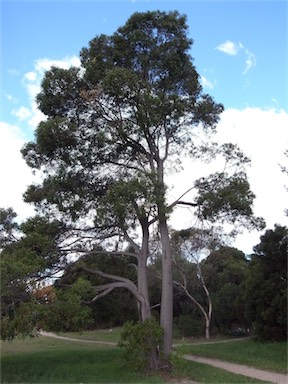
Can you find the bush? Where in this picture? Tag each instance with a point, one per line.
(142, 343)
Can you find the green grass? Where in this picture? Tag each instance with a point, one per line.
(267, 356)
(47, 360)
(71, 366)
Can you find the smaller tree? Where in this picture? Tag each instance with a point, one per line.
(225, 272)
(189, 246)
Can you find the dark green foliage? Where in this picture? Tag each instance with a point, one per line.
(8, 227)
(142, 343)
(225, 273)
(266, 286)
(188, 326)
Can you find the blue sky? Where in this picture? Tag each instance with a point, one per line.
(239, 50)
(58, 29)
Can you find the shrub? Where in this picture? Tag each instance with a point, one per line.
(142, 343)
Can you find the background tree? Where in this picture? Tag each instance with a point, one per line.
(266, 286)
(113, 129)
(225, 271)
(189, 246)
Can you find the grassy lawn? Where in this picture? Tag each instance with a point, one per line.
(46, 360)
(267, 356)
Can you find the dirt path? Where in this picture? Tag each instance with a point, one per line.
(244, 370)
(55, 336)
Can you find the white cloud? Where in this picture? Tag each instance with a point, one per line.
(233, 49)
(15, 175)
(43, 65)
(31, 76)
(206, 83)
(22, 113)
(229, 47)
(250, 61)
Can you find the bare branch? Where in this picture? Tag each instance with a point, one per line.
(108, 276)
(180, 202)
(179, 198)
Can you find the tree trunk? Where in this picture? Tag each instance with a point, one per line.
(207, 329)
(144, 310)
(166, 316)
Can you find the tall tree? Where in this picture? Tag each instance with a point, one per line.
(114, 128)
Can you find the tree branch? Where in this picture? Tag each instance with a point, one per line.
(183, 203)
(111, 253)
